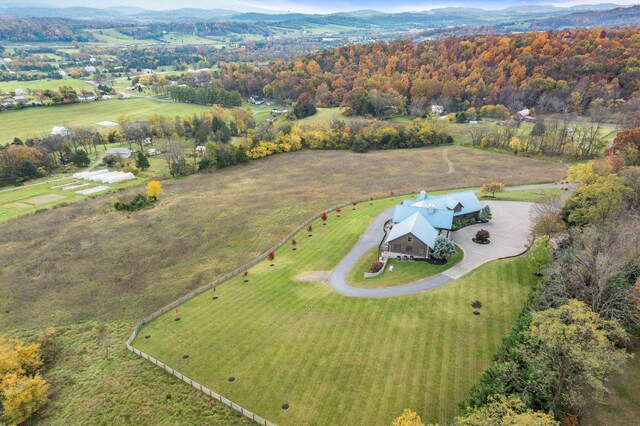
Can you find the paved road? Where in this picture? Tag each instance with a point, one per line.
(509, 233)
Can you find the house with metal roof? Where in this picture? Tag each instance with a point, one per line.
(120, 152)
(416, 223)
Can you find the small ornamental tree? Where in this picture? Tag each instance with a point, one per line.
(492, 188)
(294, 243)
(392, 194)
(482, 236)
(338, 210)
(310, 228)
(540, 255)
(245, 274)
(485, 214)
(154, 189)
(324, 217)
(271, 256)
(443, 248)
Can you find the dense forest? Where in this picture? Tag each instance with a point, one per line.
(551, 71)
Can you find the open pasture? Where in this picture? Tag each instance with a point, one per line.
(36, 121)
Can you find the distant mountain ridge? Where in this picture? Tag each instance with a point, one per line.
(139, 14)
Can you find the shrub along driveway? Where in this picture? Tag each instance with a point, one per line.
(509, 231)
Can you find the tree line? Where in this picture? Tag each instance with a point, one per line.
(583, 315)
(230, 136)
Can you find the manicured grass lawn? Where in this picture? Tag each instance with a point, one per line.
(41, 120)
(530, 195)
(10, 86)
(335, 359)
(404, 272)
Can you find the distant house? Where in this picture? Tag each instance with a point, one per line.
(201, 149)
(120, 152)
(86, 98)
(147, 71)
(19, 92)
(90, 68)
(278, 111)
(525, 114)
(19, 98)
(59, 131)
(256, 100)
(437, 109)
(417, 223)
(153, 151)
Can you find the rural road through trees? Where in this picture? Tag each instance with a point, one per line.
(509, 233)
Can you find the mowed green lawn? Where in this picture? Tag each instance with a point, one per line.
(335, 359)
(41, 120)
(404, 272)
(11, 86)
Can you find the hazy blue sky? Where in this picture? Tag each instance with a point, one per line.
(309, 6)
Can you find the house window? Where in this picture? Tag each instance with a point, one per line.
(409, 239)
(421, 251)
(409, 249)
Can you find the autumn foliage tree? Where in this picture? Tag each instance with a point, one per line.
(154, 189)
(22, 390)
(627, 145)
(492, 188)
(407, 418)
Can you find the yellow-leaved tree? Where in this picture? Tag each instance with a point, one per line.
(408, 418)
(154, 189)
(503, 411)
(492, 188)
(22, 390)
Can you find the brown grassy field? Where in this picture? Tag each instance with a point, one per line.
(86, 261)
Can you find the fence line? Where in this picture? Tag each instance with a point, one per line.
(215, 283)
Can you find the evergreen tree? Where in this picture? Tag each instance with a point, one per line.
(142, 162)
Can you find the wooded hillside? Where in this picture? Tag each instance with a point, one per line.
(551, 71)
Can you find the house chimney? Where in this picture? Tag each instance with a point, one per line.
(432, 207)
(422, 195)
